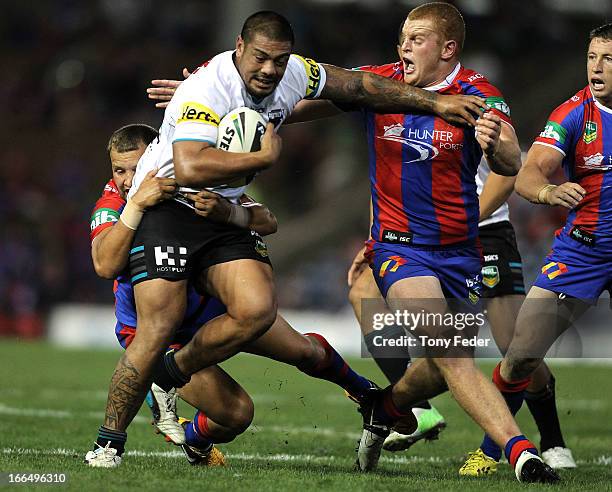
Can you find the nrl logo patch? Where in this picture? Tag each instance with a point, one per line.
(490, 276)
(590, 132)
(260, 248)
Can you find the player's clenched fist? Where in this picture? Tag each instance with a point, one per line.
(488, 131)
(568, 194)
(153, 190)
(271, 145)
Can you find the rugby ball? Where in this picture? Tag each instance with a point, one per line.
(241, 131)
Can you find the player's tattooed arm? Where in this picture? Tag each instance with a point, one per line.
(533, 180)
(125, 395)
(383, 95)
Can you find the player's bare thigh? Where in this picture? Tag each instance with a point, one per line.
(160, 307)
(502, 313)
(364, 287)
(246, 287)
(543, 317)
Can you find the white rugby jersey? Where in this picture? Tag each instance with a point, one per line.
(208, 94)
(503, 212)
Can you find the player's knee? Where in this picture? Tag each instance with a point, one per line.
(521, 368)
(256, 318)
(240, 415)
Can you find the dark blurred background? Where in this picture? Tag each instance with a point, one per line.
(74, 71)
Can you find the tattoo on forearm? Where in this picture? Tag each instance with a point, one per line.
(125, 395)
(375, 92)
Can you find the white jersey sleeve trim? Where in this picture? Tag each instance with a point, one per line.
(551, 146)
(194, 140)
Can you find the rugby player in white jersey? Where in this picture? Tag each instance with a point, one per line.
(172, 244)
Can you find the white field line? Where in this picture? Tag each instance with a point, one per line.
(603, 460)
(66, 414)
(101, 395)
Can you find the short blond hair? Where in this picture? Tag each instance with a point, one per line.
(447, 19)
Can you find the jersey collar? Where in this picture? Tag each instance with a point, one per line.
(598, 104)
(450, 78)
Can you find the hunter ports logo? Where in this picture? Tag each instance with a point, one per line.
(193, 112)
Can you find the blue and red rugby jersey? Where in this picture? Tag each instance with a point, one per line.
(423, 169)
(199, 309)
(581, 130)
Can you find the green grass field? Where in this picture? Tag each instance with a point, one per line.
(303, 436)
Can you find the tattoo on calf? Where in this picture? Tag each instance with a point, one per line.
(125, 395)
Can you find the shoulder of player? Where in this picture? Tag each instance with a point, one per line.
(110, 198)
(573, 106)
(218, 70)
(390, 70)
(472, 82)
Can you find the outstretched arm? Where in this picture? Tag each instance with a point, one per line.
(384, 95)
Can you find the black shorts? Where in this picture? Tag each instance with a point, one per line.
(502, 270)
(174, 243)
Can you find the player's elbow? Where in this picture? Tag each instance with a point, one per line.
(106, 270)
(183, 171)
(270, 226)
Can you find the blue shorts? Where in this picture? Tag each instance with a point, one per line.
(208, 310)
(576, 269)
(457, 269)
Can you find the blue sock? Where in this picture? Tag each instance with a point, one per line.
(516, 446)
(514, 402)
(196, 432)
(336, 370)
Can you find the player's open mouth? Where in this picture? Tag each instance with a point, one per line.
(597, 84)
(408, 66)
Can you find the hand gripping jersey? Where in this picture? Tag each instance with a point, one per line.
(581, 130)
(199, 309)
(211, 92)
(422, 169)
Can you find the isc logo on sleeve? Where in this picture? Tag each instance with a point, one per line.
(193, 112)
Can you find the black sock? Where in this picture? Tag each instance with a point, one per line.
(116, 438)
(543, 407)
(393, 361)
(166, 373)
